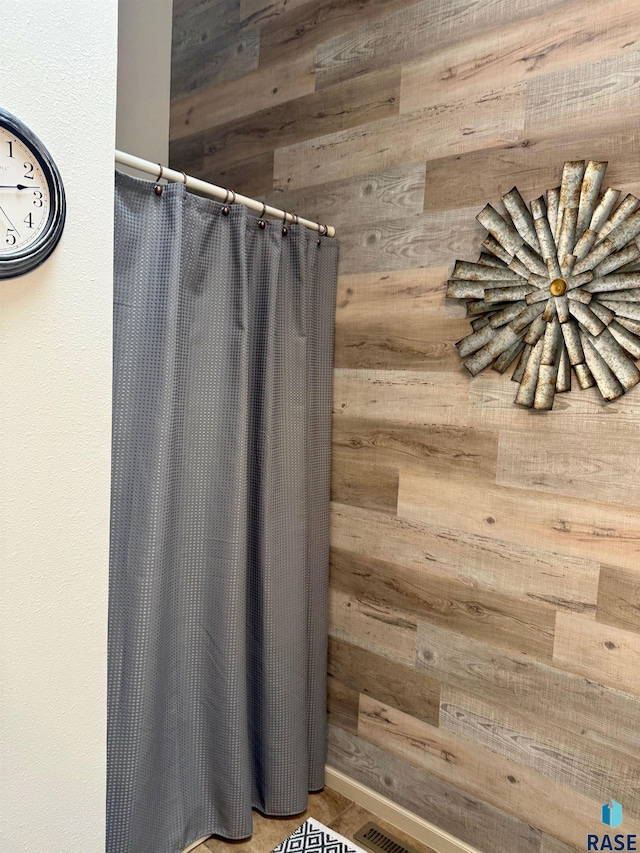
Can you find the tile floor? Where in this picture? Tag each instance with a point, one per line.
(328, 807)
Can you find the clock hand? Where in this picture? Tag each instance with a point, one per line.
(10, 222)
(17, 187)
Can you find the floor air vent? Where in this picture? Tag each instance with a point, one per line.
(375, 838)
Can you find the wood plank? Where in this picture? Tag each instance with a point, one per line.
(257, 13)
(561, 755)
(403, 396)
(187, 155)
(619, 598)
(201, 23)
(520, 790)
(400, 686)
(509, 623)
(448, 451)
(407, 343)
(552, 845)
(579, 412)
(465, 124)
(533, 575)
(559, 465)
(600, 95)
(380, 629)
(533, 164)
(209, 63)
(344, 106)
(599, 713)
(567, 525)
(391, 193)
(376, 295)
(361, 483)
(417, 29)
(307, 25)
(252, 177)
(183, 10)
(585, 31)
(599, 652)
(469, 818)
(429, 240)
(342, 705)
(265, 87)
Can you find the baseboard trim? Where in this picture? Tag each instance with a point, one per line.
(419, 828)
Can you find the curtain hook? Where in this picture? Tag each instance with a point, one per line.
(285, 230)
(225, 209)
(261, 222)
(158, 189)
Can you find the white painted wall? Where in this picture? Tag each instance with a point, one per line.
(58, 74)
(144, 30)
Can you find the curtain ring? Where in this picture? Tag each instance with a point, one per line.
(225, 209)
(233, 200)
(184, 177)
(261, 221)
(285, 230)
(296, 218)
(158, 189)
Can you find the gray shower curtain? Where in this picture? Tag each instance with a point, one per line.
(219, 534)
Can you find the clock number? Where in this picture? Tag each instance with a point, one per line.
(10, 144)
(28, 220)
(29, 172)
(38, 198)
(10, 239)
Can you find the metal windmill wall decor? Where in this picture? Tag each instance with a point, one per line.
(557, 288)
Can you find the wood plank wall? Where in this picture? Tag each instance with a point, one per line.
(485, 640)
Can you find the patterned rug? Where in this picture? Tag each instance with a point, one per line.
(315, 837)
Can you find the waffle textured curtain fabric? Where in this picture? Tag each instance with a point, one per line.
(220, 511)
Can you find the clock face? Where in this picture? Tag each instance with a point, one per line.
(25, 202)
(32, 201)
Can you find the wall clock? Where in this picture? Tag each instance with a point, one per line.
(556, 290)
(32, 200)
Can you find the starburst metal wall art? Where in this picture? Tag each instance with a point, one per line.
(557, 288)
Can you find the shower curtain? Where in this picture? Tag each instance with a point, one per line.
(223, 346)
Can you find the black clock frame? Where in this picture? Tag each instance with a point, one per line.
(32, 256)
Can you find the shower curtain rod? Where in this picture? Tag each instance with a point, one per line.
(218, 193)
